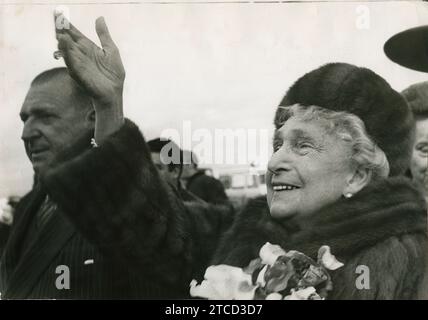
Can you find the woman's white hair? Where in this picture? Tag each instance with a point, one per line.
(348, 127)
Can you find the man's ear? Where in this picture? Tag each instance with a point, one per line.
(90, 118)
(357, 181)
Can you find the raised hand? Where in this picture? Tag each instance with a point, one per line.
(98, 70)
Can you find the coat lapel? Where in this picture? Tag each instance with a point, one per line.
(50, 240)
(24, 214)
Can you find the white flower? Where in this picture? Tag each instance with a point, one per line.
(224, 282)
(6, 212)
(204, 290)
(274, 296)
(261, 277)
(302, 294)
(328, 260)
(270, 252)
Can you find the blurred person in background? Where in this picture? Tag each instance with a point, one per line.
(199, 183)
(408, 48)
(167, 157)
(417, 98)
(163, 152)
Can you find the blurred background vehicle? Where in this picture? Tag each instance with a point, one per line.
(243, 183)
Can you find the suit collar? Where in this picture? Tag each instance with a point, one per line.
(23, 217)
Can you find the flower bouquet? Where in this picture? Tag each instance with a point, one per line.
(274, 275)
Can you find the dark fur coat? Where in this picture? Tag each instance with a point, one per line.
(382, 227)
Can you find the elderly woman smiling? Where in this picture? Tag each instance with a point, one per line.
(342, 143)
(320, 156)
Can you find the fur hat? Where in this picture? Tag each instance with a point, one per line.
(417, 97)
(345, 87)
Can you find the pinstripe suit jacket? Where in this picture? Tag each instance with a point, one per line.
(30, 272)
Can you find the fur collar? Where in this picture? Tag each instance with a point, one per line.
(388, 208)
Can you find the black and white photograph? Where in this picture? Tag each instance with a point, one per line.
(192, 150)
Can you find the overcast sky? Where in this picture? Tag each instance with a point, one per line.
(217, 65)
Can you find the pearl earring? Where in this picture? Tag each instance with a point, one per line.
(348, 195)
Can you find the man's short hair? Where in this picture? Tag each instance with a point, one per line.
(49, 75)
(156, 145)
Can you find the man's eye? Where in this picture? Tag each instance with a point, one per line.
(48, 116)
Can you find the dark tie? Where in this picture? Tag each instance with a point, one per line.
(45, 213)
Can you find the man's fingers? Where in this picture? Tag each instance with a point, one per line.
(64, 42)
(73, 61)
(103, 33)
(63, 25)
(75, 33)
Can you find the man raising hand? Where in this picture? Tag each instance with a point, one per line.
(115, 228)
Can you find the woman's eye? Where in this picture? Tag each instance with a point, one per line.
(304, 148)
(276, 146)
(305, 145)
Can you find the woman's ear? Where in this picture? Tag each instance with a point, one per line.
(357, 181)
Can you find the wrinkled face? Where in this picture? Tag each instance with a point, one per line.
(308, 170)
(51, 121)
(420, 153)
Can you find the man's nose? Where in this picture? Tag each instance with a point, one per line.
(29, 131)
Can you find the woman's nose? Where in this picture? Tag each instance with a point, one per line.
(281, 160)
